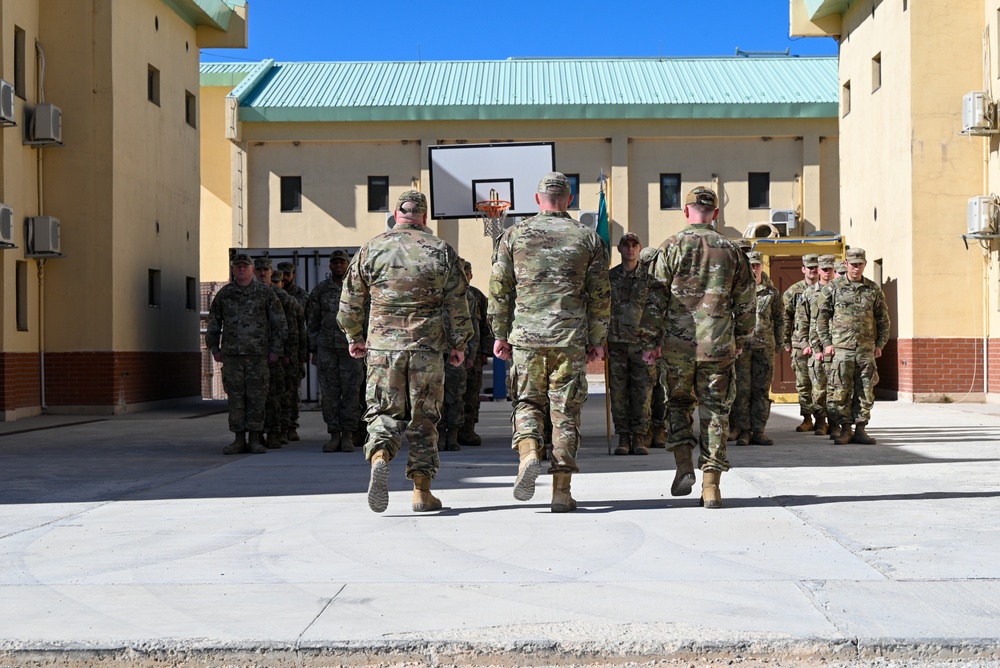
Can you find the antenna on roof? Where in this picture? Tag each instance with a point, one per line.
(418, 53)
(741, 52)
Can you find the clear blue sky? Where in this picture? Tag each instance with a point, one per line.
(331, 30)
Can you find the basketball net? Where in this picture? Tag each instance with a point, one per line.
(493, 213)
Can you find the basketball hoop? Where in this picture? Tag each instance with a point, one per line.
(493, 213)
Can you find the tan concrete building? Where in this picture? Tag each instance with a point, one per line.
(907, 173)
(100, 313)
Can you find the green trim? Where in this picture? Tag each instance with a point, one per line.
(223, 79)
(817, 9)
(254, 77)
(537, 112)
(212, 13)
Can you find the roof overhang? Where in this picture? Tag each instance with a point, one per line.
(218, 23)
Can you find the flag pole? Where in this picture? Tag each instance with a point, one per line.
(604, 230)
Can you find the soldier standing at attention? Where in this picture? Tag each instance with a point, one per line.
(800, 362)
(276, 414)
(410, 278)
(456, 378)
(853, 327)
(630, 378)
(474, 365)
(806, 316)
(658, 412)
(705, 306)
(246, 333)
(549, 306)
(763, 344)
(339, 372)
(295, 379)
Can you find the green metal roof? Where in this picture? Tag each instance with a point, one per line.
(553, 89)
(225, 74)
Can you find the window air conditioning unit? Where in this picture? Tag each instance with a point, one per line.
(980, 216)
(978, 114)
(588, 218)
(43, 236)
(6, 103)
(6, 225)
(46, 125)
(783, 220)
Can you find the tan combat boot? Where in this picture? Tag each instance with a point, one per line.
(467, 434)
(760, 438)
(807, 423)
(861, 436)
(846, 434)
(451, 440)
(743, 438)
(684, 477)
(624, 444)
(528, 470)
(711, 496)
(820, 428)
(659, 437)
(271, 440)
(238, 446)
(257, 443)
(293, 435)
(733, 434)
(378, 485)
(834, 429)
(347, 441)
(282, 438)
(423, 500)
(562, 502)
(334, 443)
(640, 443)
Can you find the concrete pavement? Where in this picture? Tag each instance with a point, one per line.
(133, 540)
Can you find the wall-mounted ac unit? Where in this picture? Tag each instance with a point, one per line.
(981, 215)
(6, 103)
(43, 236)
(45, 128)
(978, 114)
(588, 218)
(6, 225)
(783, 220)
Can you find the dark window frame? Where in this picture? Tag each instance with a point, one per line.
(574, 186)
(291, 194)
(20, 63)
(153, 85)
(759, 197)
(667, 203)
(155, 295)
(21, 292)
(378, 193)
(190, 109)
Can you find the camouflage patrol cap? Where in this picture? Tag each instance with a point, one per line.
(262, 263)
(286, 267)
(856, 255)
(647, 254)
(629, 236)
(840, 268)
(241, 258)
(414, 196)
(555, 183)
(810, 260)
(755, 257)
(339, 254)
(277, 277)
(702, 196)
(827, 261)
(743, 245)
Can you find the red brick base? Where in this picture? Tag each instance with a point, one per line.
(113, 380)
(922, 367)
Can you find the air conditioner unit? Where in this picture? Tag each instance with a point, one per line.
(978, 114)
(6, 225)
(6, 103)
(783, 220)
(980, 215)
(588, 218)
(43, 236)
(46, 125)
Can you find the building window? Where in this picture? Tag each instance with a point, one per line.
(759, 186)
(845, 99)
(19, 62)
(190, 109)
(291, 193)
(670, 191)
(21, 289)
(191, 303)
(154, 288)
(574, 187)
(153, 85)
(876, 72)
(378, 193)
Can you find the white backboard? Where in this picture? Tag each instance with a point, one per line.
(463, 174)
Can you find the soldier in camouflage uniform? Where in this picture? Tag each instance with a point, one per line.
(339, 373)
(658, 398)
(276, 414)
(408, 278)
(549, 306)
(752, 407)
(800, 362)
(474, 365)
(853, 327)
(705, 307)
(295, 380)
(806, 316)
(456, 378)
(246, 332)
(630, 378)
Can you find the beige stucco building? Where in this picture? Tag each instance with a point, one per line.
(907, 173)
(106, 319)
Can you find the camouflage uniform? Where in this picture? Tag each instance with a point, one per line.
(245, 324)
(299, 368)
(752, 407)
(800, 363)
(474, 371)
(456, 377)
(549, 298)
(277, 419)
(408, 276)
(706, 309)
(339, 373)
(853, 318)
(806, 319)
(631, 379)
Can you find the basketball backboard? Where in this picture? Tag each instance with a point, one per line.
(463, 174)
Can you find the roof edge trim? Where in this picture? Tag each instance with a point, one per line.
(251, 80)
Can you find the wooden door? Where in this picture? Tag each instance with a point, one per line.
(784, 271)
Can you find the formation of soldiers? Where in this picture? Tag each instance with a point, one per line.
(694, 323)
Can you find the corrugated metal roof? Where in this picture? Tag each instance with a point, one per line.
(225, 74)
(729, 87)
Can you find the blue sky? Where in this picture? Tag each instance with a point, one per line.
(328, 30)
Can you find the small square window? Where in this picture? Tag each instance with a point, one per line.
(291, 193)
(876, 72)
(845, 99)
(190, 109)
(574, 187)
(154, 288)
(19, 62)
(153, 85)
(759, 186)
(670, 191)
(378, 193)
(191, 285)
